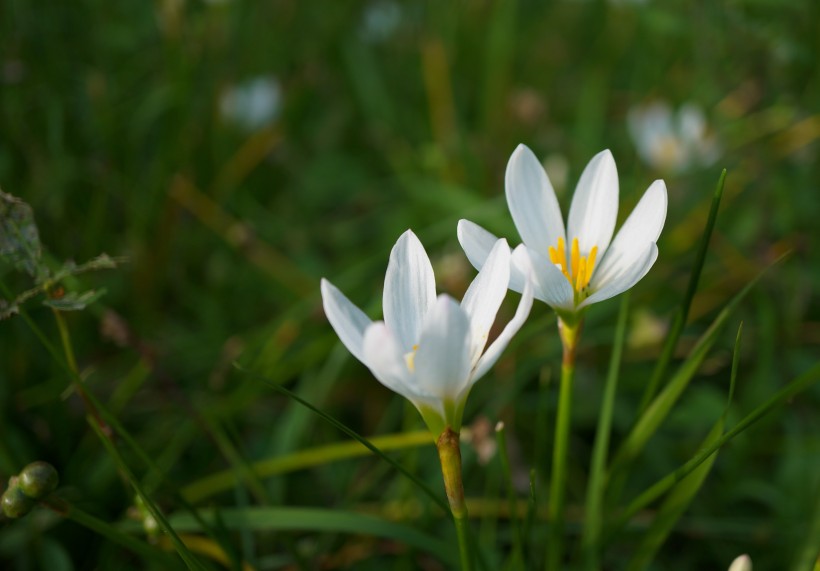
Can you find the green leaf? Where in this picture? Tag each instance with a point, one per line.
(675, 505)
(660, 487)
(225, 480)
(593, 522)
(19, 238)
(683, 311)
(353, 434)
(182, 550)
(657, 412)
(314, 520)
(808, 557)
(74, 301)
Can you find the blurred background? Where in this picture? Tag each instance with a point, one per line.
(236, 152)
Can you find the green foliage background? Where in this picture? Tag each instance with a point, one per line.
(110, 127)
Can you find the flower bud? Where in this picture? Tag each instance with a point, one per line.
(742, 563)
(15, 503)
(38, 479)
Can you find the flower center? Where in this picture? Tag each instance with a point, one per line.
(579, 269)
(410, 359)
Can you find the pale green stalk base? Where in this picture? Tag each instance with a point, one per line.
(560, 451)
(449, 453)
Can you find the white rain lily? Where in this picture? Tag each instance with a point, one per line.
(581, 265)
(429, 349)
(669, 141)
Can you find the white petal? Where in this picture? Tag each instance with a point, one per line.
(595, 205)
(627, 278)
(443, 358)
(532, 201)
(643, 226)
(497, 347)
(520, 268)
(384, 358)
(475, 241)
(550, 284)
(409, 290)
(347, 320)
(485, 294)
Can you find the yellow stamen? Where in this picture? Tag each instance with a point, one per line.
(579, 269)
(580, 277)
(573, 261)
(591, 263)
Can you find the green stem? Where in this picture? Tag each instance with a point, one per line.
(595, 488)
(560, 451)
(449, 453)
(71, 360)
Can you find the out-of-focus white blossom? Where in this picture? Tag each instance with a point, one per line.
(380, 20)
(669, 141)
(252, 104)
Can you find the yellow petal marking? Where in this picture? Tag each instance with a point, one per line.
(410, 359)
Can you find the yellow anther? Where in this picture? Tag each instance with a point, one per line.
(574, 258)
(591, 263)
(579, 269)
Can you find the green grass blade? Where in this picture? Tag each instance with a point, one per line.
(794, 387)
(112, 533)
(221, 481)
(593, 519)
(351, 433)
(239, 465)
(685, 491)
(657, 412)
(683, 311)
(674, 506)
(808, 557)
(183, 551)
(263, 519)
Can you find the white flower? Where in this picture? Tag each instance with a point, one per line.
(742, 563)
(381, 20)
(671, 141)
(574, 268)
(429, 349)
(252, 104)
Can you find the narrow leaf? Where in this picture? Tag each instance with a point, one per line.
(320, 455)
(353, 434)
(660, 487)
(657, 412)
(593, 522)
(683, 311)
(314, 520)
(674, 506)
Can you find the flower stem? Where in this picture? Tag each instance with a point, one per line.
(449, 453)
(560, 451)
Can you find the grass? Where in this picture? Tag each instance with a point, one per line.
(111, 129)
